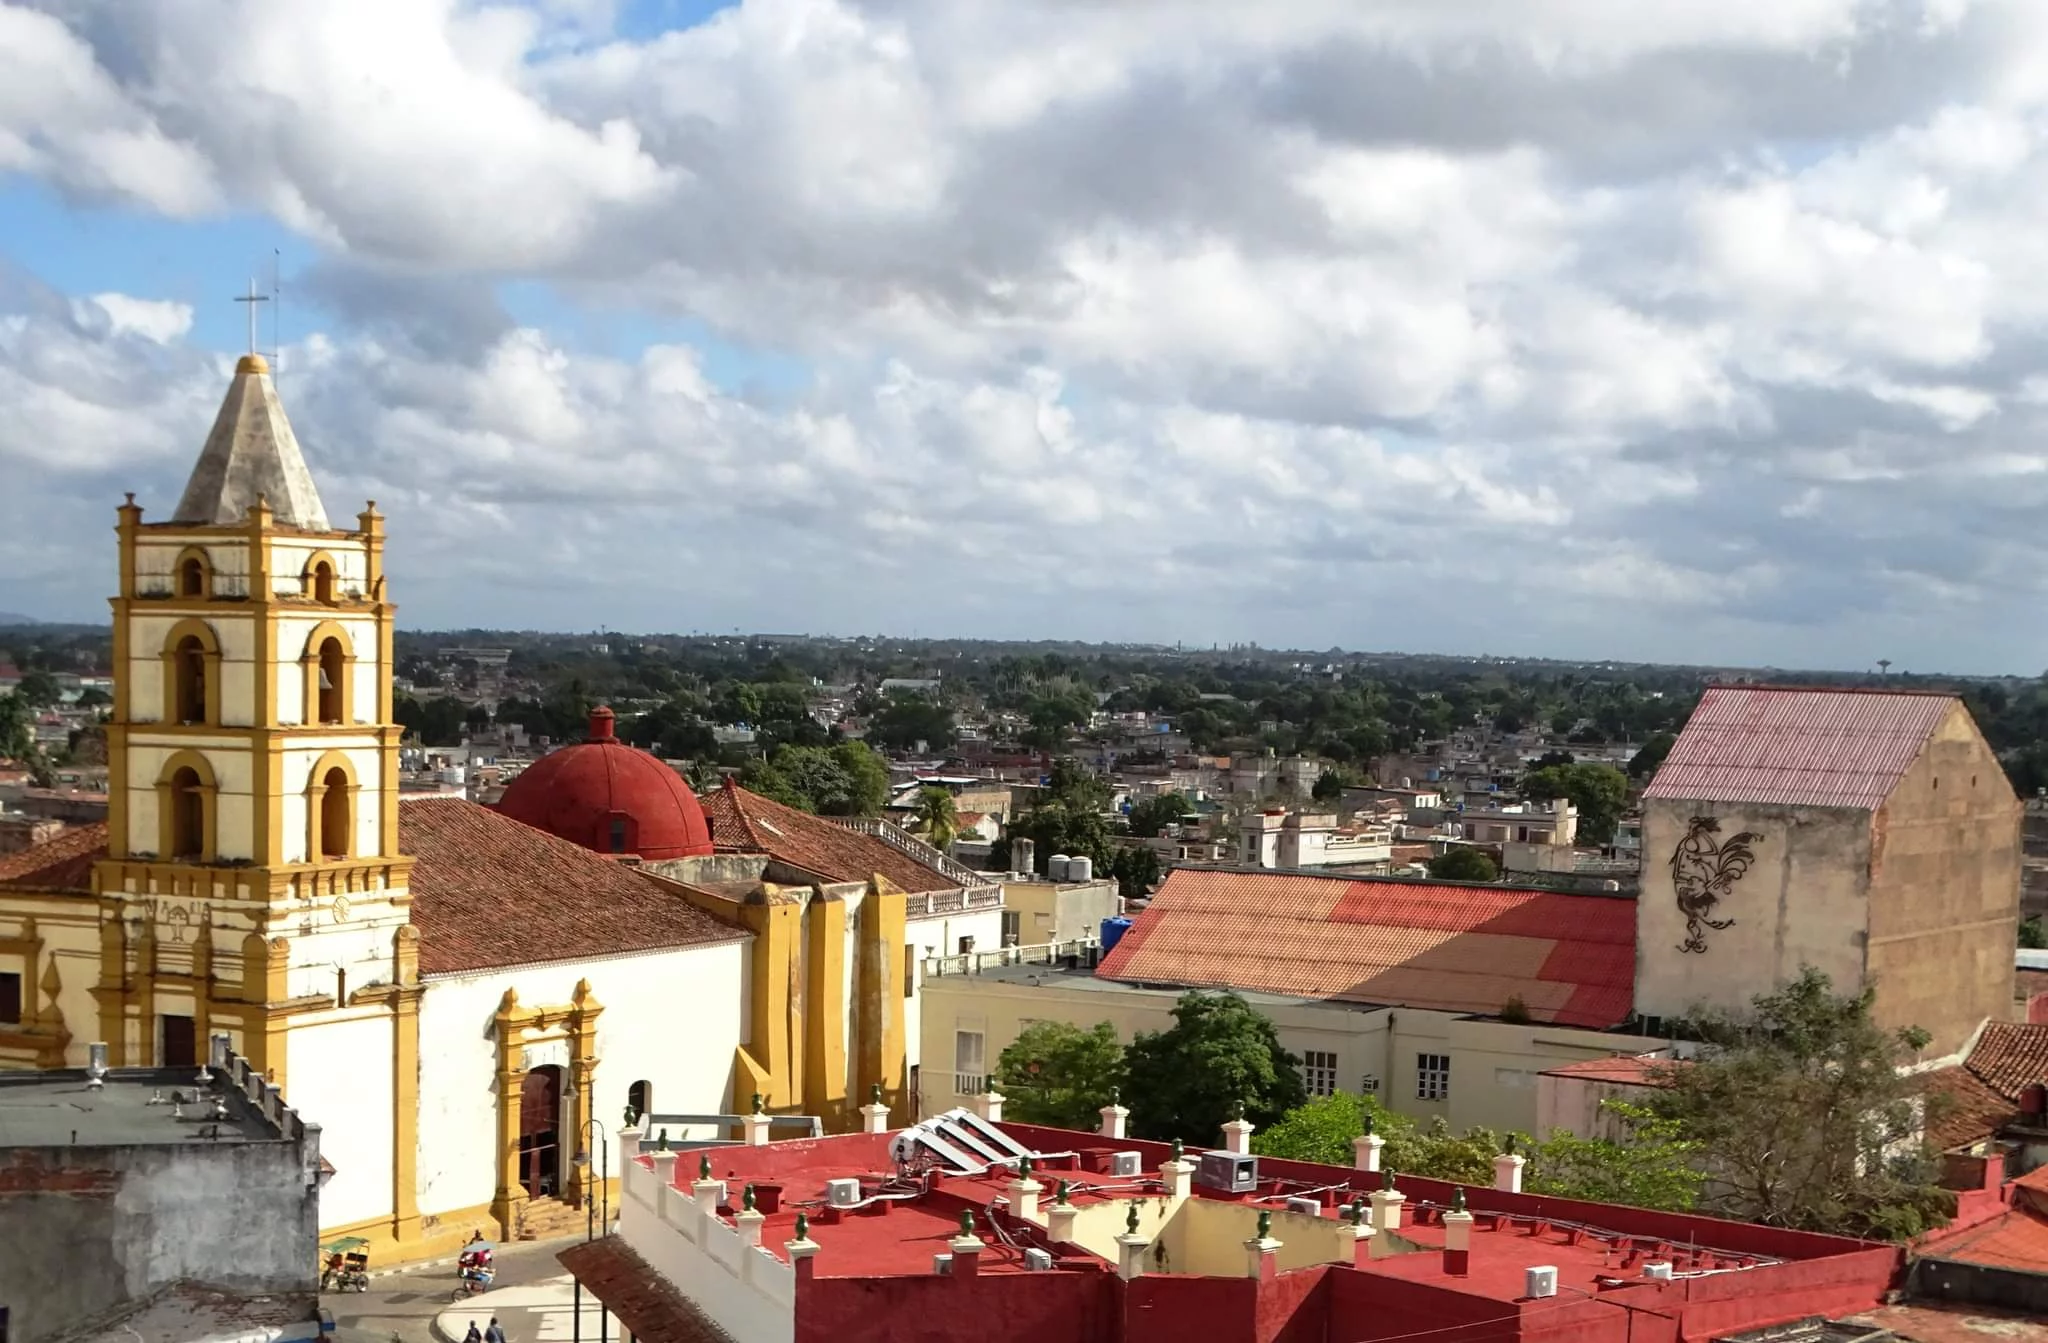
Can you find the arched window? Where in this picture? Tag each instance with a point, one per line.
(334, 815)
(332, 682)
(188, 666)
(323, 583)
(640, 1099)
(188, 815)
(192, 577)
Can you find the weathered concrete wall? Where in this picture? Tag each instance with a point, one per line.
(1801, 902)
(87, 1229)
(1979, 1285)
(1944, 890)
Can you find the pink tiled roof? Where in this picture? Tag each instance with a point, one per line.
(1570, 959)
(1794, 747)
(1623, 1069)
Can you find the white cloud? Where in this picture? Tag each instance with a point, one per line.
(1704, 322)
(152, 319)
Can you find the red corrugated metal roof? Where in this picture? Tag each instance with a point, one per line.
(1570, 959)
(1801, 748)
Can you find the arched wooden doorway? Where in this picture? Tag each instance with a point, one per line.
(540, 1148)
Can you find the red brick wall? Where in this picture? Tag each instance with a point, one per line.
(27, 1173)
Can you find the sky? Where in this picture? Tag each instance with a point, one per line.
(1703, 330)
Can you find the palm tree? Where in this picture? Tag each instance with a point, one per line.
(935, 813)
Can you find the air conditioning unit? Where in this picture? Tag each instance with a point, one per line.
(1540, 1281)
(1126, 1164)
(1307, 1206)
(842, 1193)
(1037, 1260)
(942, 1264)
(1658, 1272)
(1227, 1172)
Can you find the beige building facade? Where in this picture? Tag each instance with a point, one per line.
(1469, 1070)
(1871, 836)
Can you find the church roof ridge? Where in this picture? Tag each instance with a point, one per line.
(251, 456)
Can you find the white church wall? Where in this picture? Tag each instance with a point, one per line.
(299, 763)
(339, 1076)
(672, 1018)
(746, 1290)
(234, 803)
(325, 950)
(236, 636)
(290, 557)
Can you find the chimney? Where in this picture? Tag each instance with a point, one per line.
(966, 1247)
(747, 1221)
(1130, 1247)
(1458, 1237)
(1059, 1218)
(1386, 1216)
(1507, 1170)
(1237, 1133)
(1024, 1193)
(1365, 1149)
(874, 1116)
(1260, 1264)
(989, 1105)
(802, 1249)
(1113, 1117)
(756, 1124)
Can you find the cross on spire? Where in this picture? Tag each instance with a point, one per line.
(252, 298)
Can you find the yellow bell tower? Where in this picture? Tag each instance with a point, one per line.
(253, 880)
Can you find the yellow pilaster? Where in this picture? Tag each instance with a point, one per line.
(405, 1086)
(883, 1060)
(824, 1008)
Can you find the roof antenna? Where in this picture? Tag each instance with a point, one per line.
(276, 313)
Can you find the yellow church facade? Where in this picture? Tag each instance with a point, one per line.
(461, 1001)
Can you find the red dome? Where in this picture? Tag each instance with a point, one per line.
(609, 797)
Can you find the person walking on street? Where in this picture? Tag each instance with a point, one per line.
(494, 1334)
(474, 1335)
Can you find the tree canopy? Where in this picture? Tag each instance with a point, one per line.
(1802, 1116)
(1188, 1080)
(1150, 816)
(1061, 1075)
(1650, 1168)
(1600, 792)
(1463, 864)
(844, 780)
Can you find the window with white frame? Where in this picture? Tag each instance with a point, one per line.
(1432, 1077)
(970, 1069)
(1319, 1072)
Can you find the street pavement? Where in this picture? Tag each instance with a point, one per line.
(531, 1296)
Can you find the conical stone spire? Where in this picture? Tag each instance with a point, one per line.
(251, 454)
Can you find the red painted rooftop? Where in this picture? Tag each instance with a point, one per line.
(1622, 1069)
(1598, 1250)
(1786, 746)
(1569, 959)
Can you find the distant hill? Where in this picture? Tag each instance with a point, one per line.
(17, 618)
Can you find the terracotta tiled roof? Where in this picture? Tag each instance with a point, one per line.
(489, 891)
(1796, 747)
(2018, 1239)
(744, 822)
(1570, 959)
(1624, 1069)
(1967, 1112)
(645, 1302)
(61, 863)
(2010, 1056)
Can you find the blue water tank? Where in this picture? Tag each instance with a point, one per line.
(1113, 930)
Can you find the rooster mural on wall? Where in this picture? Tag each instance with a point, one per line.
(1703, 869)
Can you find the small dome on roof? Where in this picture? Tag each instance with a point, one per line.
(610, 798)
